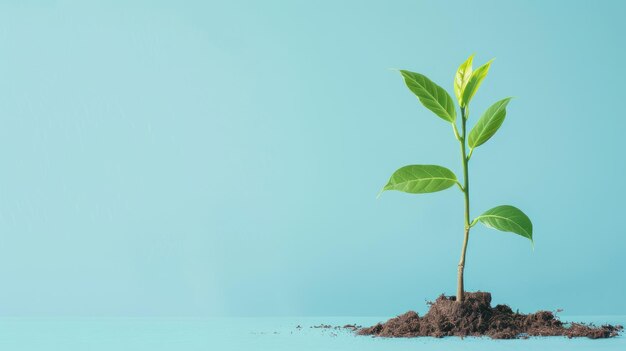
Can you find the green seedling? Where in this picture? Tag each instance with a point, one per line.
(419, 179)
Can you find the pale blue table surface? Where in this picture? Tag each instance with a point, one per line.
(277, 334)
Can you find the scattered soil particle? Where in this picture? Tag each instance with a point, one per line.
(352, 327)
(476, 317)
(322, 326)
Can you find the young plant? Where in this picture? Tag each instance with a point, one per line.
(419, 179)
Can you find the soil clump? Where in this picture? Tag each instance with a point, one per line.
(476, 317)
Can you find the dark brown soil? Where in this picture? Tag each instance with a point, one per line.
(476, 317)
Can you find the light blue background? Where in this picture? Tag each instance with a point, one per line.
(223, 158)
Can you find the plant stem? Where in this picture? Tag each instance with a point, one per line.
(459, 289)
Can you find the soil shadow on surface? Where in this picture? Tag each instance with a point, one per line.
(476, 317)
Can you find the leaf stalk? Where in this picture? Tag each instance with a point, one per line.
(456, 132)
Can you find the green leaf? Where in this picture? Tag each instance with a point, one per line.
(474, 82)
(419, 179)
(507, 219)
(463, 75)
(488, 124)
(431, 95)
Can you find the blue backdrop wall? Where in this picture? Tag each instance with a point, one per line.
(223, 158)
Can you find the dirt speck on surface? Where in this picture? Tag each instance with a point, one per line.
(322, 326)
(352, 327)
(476, 317)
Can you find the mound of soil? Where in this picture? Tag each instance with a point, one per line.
(476, 317)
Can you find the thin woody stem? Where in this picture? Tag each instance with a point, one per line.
(465, 158)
